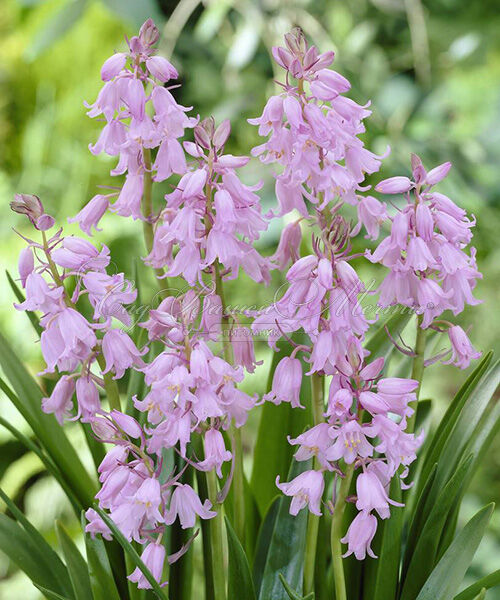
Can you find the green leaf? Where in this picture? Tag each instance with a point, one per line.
(35, 321)
(481, 595)
(485, 583)
(428, 537)
(239, 581)
(273, 453)
(446, 577)
(77, 567)
(49, 557)
(130, 551)
(468, 419)
(25, 552)
(102, 581)
(263, 542)
(287, 547)
(47, 461)
(27, 399)
(56, 27)
(448, 421)
(379, 343)
(381, 575)
(418, 516)
(49, 593)
(293, 595)
(470, 410)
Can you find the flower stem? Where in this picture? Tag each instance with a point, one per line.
(147, 200)
(147, 212)
(417, 371)
(238, 477)
(317, 394)
(110, 385)
(216, 540)
(336, 535)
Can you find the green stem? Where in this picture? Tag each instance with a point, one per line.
(147, 212)
(110, 385)
(317, 393)
(418, 367)
(216, 540)
(336, 535)
(238, 476)
(147, 200)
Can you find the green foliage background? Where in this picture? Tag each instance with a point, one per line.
(431, 70)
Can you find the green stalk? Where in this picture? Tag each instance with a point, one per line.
(317, 393)
(238, 475)
(418, 367)
(336, 535)
(216, 540)
(110, 385)
(147, 212)
(147, 200)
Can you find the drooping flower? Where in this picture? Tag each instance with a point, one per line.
(186, 504)
(306, 490)
(153, 557)
(360, 535)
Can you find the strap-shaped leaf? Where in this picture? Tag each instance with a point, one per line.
(25, 552)
(379, 344)
(381, 576)
(475, 403)
(479, 444)
(287, 547)
(130, 551)
(469, 418)
(27, 398)
(77, 567)
(239, 582)
(49, 557)
(47, 461)
(273, 453)
(291, 594)
(50, 594)
(491, 580)
(446, 577)
(453, 412)
(428, 537)
(102, 581)
(263, 542)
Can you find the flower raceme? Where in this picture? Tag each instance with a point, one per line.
(205, 233)
(430, 270)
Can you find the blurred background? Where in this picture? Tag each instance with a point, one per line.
(430, 68)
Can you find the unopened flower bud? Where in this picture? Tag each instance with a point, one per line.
(103, 429)
(148, 33)
(221, 134)
(201, 137)
(31, 206)
(127, 424)
(296, 41)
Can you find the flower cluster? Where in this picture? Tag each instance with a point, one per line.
(211, 216)
(204, 234)
(197, 350)
(314, 136)
(429, 268)
(314, 133)
(134, 90)
(72, 343)
(378, 445)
